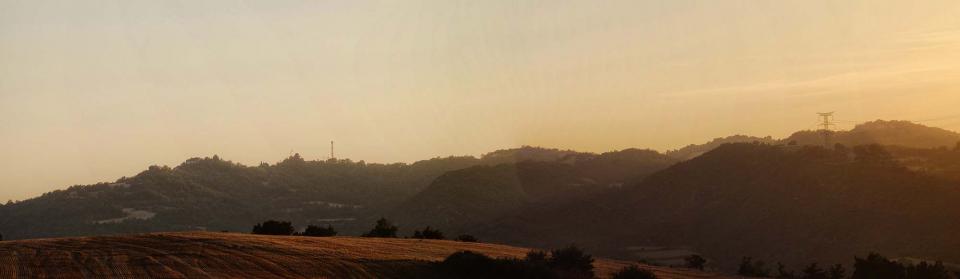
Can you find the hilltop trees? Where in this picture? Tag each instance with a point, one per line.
(751, 268)
(837, 272)
(428, 233)
(813, 271)
(312, 230)
(566, 263)
(272, 227)
(924, 270)
(874, 266)
(695, 261)
(572, 262)
(383, 229)
(467, 238)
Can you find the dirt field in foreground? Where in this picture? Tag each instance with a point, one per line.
(234, 255)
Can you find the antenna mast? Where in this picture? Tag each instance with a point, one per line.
(331, 150)
(827, 118)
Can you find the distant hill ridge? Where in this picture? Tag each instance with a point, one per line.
(794, 204)
(748, 195)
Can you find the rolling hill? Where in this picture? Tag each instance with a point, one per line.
(233, 255)
(794, 204)
(460, 200)
(898, 133)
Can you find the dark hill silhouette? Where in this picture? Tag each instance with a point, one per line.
(461, 199)
(780, 203)
(214, 194)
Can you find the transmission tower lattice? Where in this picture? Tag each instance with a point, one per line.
(827, 122)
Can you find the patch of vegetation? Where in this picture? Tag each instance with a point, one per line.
(383, 229)
(751, 268)
(428, 233)
(566, 263)
(273, 227)
(634, 272)
(695, 262)
(875, 266)
(318, 231)
(467, 238)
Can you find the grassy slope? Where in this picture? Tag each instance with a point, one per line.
(219, 255)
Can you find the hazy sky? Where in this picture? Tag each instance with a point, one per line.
(94, 90)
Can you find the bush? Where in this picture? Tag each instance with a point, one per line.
(837, 272)
(383, 229)
(571, 262)
(467, 238)
(319, 231)
(783, 273)
(695, 261)
(813, 271)
(272, 227)
(875, 266)
(428, 233)
(925, 270)
(466, 264)
(567, 263)
(750, 268)
(634, 272)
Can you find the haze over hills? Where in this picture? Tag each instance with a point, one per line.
(766, 198)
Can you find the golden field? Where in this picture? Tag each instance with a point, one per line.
(235, 255)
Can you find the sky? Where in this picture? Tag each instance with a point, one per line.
(94, 90)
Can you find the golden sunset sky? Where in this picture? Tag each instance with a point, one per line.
(94, 90)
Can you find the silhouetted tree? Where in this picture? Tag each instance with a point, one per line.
(272, 227)
(813, 271)
(312, 230)
(634, 272)
(837, 271)
(751, 268)
(924, 270)
(467, 238)
(875, 266)
(571, 262)
(469, 265)
(782, 272)
(536, 256)
(428, 233)
(695, 261)
(383, 229)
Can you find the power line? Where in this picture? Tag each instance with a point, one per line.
(825, 125)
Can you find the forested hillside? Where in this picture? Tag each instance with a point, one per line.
(779, 203)
(463, 199)
(214, 194)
